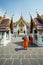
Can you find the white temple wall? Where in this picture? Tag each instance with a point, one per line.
(5, 38)
(28, 30)
(39, 40)
(18, 28)
(25, 28)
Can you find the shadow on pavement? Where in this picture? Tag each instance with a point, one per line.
(33, 45)
(18, 49)
(29, 45)
(18, 43)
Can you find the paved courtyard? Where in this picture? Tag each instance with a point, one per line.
(14, 54)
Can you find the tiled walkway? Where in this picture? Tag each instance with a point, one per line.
(14, 54)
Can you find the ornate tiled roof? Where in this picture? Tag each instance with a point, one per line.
(21, 20)
(39, 22)
(4, 23)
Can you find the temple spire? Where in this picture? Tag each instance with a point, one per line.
(30, 15)
(11, 25)
(31, 23)
(39, 16)
(21, 13)
(4, 16)
(12, 16)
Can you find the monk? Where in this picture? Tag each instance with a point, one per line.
(25, 43)
(31, 40)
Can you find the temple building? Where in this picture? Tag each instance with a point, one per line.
(21, 27)
(6, 24)
(6, 28)
(36, 28)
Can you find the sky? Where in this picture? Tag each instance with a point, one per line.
(17, 7)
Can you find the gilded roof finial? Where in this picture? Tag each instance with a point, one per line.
(31, 18)
(29, 14)
(4, 16)
(21, 13)
(38, 15)
(36, 11)
(12, 16)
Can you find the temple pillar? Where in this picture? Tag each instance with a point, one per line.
(9, 34)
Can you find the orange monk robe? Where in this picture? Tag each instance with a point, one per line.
(31, 40)
(25, 43)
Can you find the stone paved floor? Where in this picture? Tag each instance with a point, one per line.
(14, 54)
